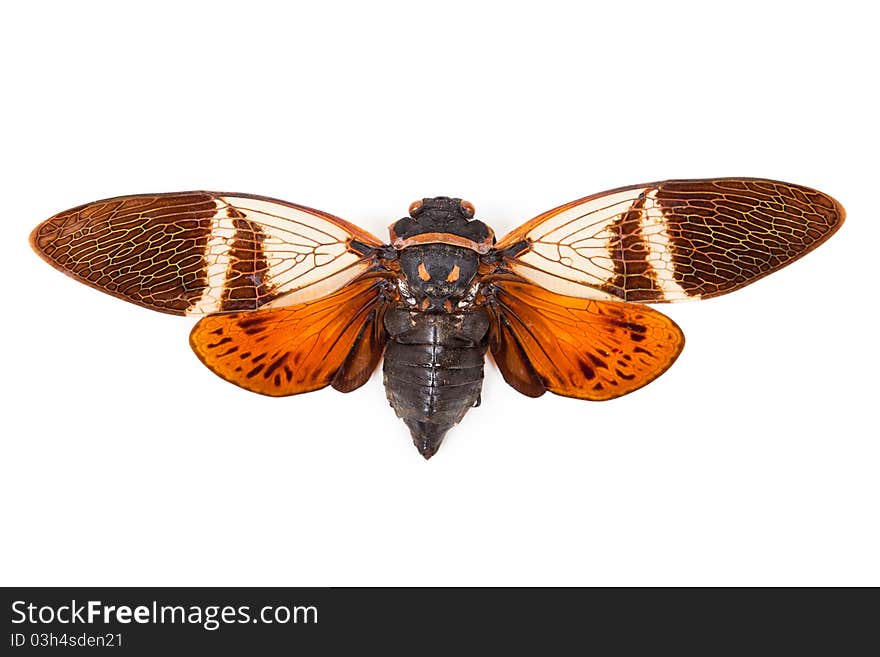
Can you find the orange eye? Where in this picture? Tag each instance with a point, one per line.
(468, 208)
(414, 207)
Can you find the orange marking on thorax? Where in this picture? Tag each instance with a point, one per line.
(441, 238)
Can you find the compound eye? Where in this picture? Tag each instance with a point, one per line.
(414, 208)
(468, 209)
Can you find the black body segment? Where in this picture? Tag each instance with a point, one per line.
(434, 369)
(438, 276)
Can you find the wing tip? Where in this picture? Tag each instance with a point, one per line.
(32, 240)
(840, 211)
(39, 248)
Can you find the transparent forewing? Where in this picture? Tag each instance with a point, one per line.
(195, 253)
(672, 240)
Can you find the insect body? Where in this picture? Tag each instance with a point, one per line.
(294, 299)
(438, 335)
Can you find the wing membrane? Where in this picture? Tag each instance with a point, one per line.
(295, 349)
(576, 347)
(672, 240)
(194, 253)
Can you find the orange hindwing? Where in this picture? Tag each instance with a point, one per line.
(294, 349)
(583, 348)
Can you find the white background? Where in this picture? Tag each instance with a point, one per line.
(754, 460)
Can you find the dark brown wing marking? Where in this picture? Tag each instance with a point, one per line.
(295, 349)
(204, 252)
(672, 240)
(576, 347)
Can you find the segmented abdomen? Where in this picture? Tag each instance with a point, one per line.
(434, 369)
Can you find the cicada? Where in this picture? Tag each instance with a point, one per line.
(294, 299)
